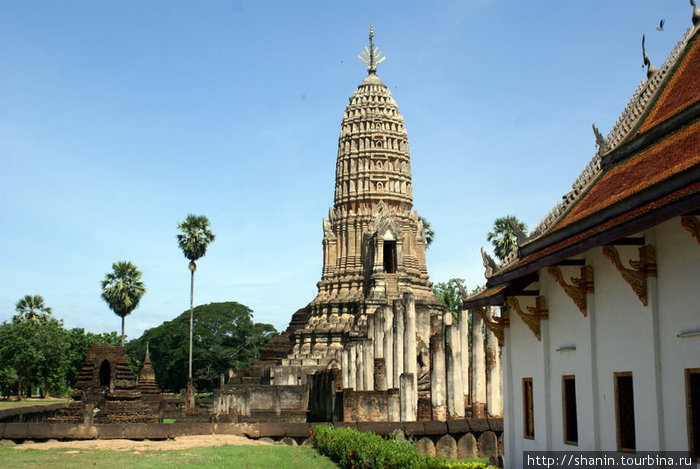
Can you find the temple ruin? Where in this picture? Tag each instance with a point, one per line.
(375, 344)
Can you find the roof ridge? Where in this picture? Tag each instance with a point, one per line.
(626, 122)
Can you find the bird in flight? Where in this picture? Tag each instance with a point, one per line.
(660, 27)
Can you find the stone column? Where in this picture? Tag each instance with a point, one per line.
(463, 324)
(478, 361)
(437, 376)
(379, 374)
(398, 341)
(409, 406)
(389, 346)
(360, 363)
(379, 333)
(453, 361)
(494, 401)
(345, 366)
(352, 366)
(410, 359)
(368, 359)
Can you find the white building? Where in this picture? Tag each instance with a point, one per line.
(600, 316)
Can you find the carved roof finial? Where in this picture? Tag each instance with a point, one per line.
(696, 13)
(600, 141)
(147, 358)
(490, 265)
(651, 70)
(371, 55)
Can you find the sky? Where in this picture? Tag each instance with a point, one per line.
(117, 119)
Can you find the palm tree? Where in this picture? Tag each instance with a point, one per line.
(29, 306)
(122, 289)
(193, 240)
(428, 232)
(504, 236)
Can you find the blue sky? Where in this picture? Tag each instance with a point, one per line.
(117, 119)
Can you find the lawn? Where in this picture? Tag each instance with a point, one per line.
(29, 402)
(239, 457)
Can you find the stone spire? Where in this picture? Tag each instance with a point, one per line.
(147, 377)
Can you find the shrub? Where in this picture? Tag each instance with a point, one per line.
(352, 449)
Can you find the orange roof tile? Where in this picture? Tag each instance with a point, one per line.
(676, 153)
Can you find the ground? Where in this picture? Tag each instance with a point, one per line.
(181, 442)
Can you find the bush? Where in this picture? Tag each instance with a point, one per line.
(352, 449)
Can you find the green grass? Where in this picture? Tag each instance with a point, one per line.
(240, 457)
(29, 402)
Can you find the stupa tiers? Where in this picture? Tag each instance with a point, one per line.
(373, 242)
(369, 328)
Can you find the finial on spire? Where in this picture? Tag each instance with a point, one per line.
(371, 55)
(147, 358)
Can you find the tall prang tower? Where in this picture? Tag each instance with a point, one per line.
(373, 241)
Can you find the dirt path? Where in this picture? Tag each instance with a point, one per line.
(181, 442)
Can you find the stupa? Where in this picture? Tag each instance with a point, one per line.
(373, 240)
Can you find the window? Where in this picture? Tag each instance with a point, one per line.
(692, 387)
(568, 387)
(528, 410)
(389, 257)
(624, 410)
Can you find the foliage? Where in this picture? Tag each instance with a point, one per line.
(449, 294)
(33, 352)
(122, 289)
(195, 236)
(503, 237)
(30, 307)
(352, 449)
(225, 336)
(428, 232)
(249, 457)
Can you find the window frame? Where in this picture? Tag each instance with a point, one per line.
(566, 410)
(616, 378)
(528, 410)
(694, 451)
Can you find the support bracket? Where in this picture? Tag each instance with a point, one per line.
(578, 288)
(640, 269)
(495, 325)
(692, 224)
(534, 315)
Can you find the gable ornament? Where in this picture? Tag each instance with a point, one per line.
(534, 316)
(578, 288)
(639, 270)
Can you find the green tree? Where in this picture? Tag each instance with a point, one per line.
(225, 336)
(449, 293)
(30, 307)
(428, 232)
(194, 239)
(122, 289)
(504, 236)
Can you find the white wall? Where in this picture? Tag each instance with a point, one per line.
(619, 334)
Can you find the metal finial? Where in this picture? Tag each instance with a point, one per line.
(371, 55)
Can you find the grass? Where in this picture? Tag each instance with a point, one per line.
(30, 402)
(240, 457)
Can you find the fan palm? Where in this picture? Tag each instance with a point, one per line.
(30, 306)
(122, 289)
(503, 237)
(193, 240)
(428, 232)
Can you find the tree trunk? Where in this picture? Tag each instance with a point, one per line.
(189, 374)
(19, 388)
(122, 331)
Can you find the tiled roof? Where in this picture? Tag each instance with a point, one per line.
(671, 156)
(655, 142)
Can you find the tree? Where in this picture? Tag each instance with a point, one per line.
(449, 293)
(428, 232)
(194, 239)
(225, 337)
(504, 236)
(30, 306)
(122, 289)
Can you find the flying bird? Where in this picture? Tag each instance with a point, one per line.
(660, 27)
